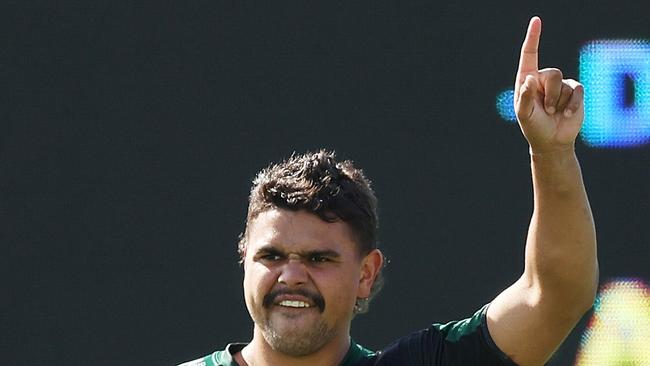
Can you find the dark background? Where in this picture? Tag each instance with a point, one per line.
(129, 135)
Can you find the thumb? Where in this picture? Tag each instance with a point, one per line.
(526, 101)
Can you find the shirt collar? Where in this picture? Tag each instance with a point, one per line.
(355, 353)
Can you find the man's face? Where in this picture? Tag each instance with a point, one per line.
(302, 276)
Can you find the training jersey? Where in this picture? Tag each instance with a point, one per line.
(464, 342)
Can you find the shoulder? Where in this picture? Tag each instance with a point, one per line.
(461, 342)
(453, 331)
(357, 355)
(218, 358)
(203, 361)
(214, 359)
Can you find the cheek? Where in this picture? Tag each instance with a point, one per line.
(338, 288)
(257, 282)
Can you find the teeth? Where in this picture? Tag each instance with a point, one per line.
(294, 304)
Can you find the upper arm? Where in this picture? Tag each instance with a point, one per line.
(528, 324)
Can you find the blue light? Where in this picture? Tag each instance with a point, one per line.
(505, 105)
(606, 66)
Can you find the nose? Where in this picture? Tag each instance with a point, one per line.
(293, 273)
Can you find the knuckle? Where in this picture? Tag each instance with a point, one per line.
(557, 73)
(553, 73)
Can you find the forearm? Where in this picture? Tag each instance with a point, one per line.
(561, 246)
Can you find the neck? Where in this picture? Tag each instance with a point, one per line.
(260, 353)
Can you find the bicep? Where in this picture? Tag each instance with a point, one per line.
(528, 324)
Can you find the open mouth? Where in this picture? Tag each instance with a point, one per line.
(297, 299)
(294, 304)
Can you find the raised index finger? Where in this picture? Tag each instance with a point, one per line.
(528, 58)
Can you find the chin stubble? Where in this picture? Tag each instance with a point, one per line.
(297, 343)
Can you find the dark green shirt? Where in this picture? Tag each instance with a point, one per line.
(464, 342)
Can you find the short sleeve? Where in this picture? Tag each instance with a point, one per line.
(463, 342)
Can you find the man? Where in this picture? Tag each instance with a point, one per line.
(311, 262)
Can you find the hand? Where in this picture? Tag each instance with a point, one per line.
(549, 109)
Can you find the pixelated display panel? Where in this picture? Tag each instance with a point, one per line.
(505, 105)
(616, 76)
(619, 330)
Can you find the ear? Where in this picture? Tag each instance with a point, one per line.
(371, 264)
(243, 259)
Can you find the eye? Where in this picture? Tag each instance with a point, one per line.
(318, 259)
(271, 257)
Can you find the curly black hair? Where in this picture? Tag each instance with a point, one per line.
(332, 190)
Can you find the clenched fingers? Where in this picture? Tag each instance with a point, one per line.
(565, 96)
(577, 97)
(551, 85)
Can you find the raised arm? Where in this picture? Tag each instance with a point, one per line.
(530, 319)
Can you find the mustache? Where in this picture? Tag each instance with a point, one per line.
(317, 299)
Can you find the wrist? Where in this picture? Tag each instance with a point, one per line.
(551, 152)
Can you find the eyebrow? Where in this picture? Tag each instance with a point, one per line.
(270, 249)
